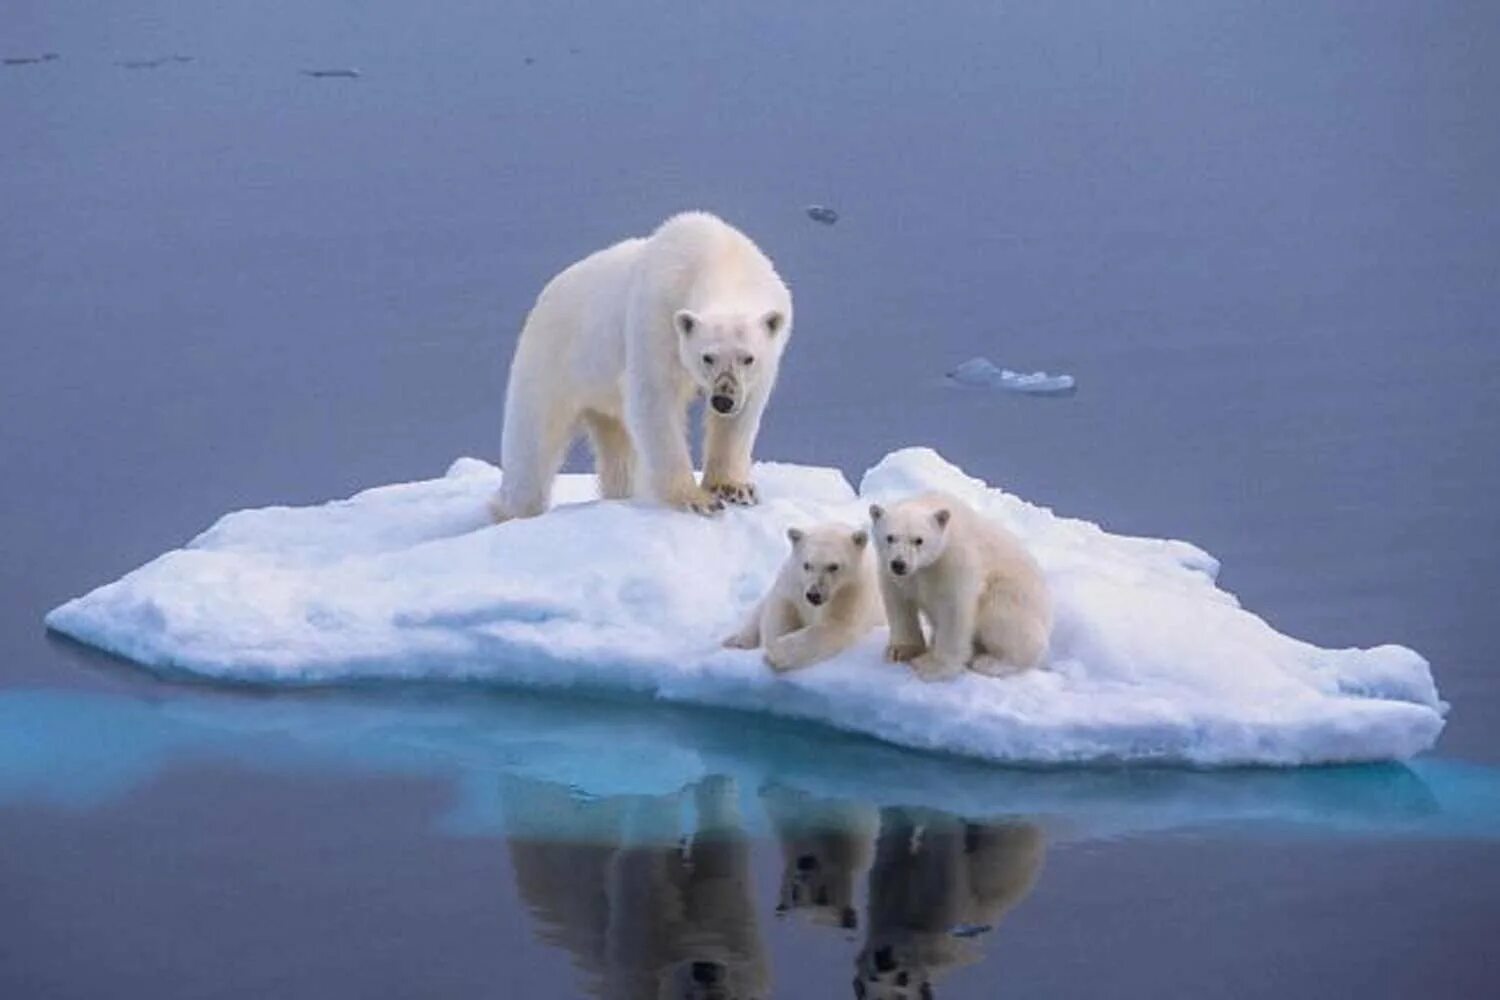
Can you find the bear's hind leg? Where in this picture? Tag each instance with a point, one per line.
(1006, 640)
(614, 455)
(533, 446)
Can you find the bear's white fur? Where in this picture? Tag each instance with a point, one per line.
(981, 590)
(823, 600)
(620, 343)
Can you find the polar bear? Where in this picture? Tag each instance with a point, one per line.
(824, 599)
(621, 342)
(983, 593)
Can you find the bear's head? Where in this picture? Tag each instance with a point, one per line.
(911, 535)
(825, 559)
(730, 354)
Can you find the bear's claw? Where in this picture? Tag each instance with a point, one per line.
(902, 652)
(739, 494)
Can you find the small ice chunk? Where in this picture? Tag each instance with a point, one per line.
(969, 930)
(347, 74)
(823, 214)
(985, 374)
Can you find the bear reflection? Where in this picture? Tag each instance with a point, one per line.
(826, 848)
(937, 883)
(647, 913)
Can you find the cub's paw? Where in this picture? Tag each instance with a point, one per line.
(740, 641)
(739, 494)
(782, 656)
(929, 668)
(904, 652)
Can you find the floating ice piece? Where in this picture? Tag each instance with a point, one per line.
(823, 214)
(1150, 661)
(347, 74)
(29, 60)
(983, 373)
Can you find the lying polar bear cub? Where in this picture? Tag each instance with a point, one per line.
(620, 343)
(983, 593)
(822, 602)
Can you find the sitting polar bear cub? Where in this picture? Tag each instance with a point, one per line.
(823, 600)
(983, 593)
(621, 342)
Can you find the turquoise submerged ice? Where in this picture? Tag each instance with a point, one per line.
(1149, 661)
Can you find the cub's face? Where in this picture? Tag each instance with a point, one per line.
(909, 537)
(729, 354)
(825, 558)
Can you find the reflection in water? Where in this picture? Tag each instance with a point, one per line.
(938, 883)
(655, 907)
(826, 844)
(653, 914)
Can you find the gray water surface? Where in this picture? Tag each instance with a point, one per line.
(1265, 238)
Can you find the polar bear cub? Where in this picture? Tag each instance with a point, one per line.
(824, 599)
(983, 593)
(620, 343)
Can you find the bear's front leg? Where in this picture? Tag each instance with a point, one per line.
(728, 447)
(952, 638)
(805, 647)
(906, 641)
(657, 420)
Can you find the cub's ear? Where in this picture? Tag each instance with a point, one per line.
(794, 535)
(685, 322)
(942, 516)
(861, 538)
(774, 321)
(876, 512)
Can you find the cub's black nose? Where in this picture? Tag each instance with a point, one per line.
(814, 598)
(806, 863)
(723, 403)
(898, 566)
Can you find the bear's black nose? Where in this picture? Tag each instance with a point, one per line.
(806, 863)
(723, 403)
(898, 566)
(814, 598)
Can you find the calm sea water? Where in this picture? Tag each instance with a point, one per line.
(1264, 237)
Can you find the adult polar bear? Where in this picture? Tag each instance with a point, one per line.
(618, 345)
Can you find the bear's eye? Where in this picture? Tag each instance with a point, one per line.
(807, 567)
(708, 359)
(749, 360)
(890, 539)
(917, 542)
(833, 567)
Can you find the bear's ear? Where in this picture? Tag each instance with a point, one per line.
(876, 512)
(861, 538)
(774, 321)
(685, 322)
(794, 535)
(941, 517)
